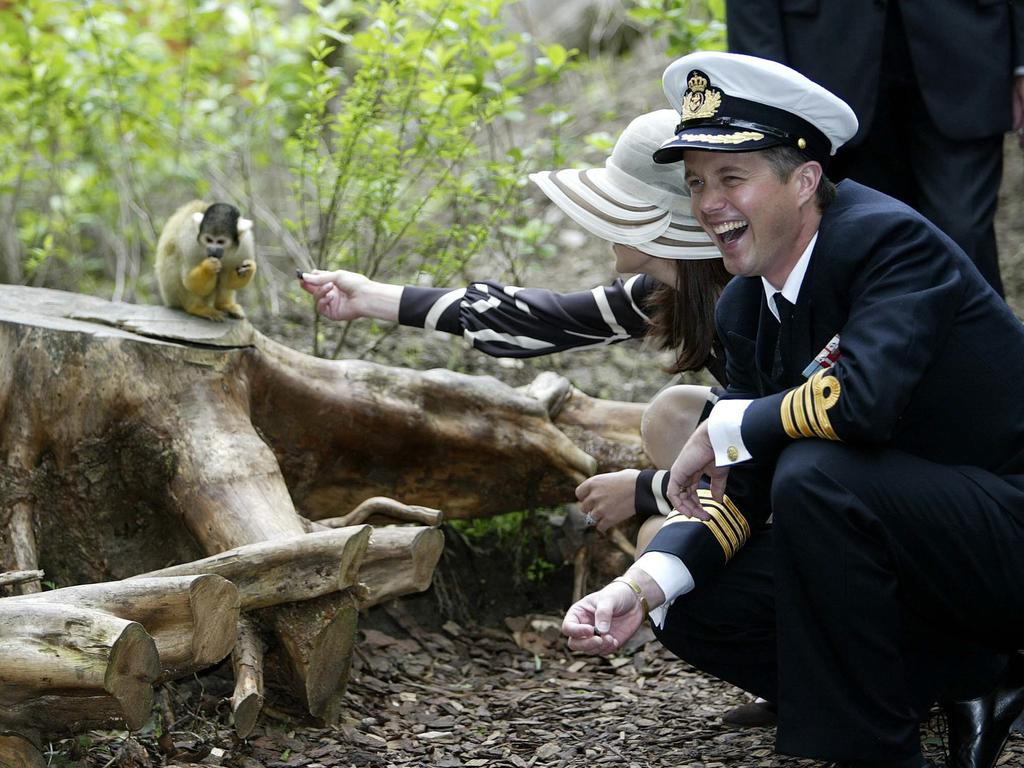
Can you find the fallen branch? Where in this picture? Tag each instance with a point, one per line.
(11, 578)
(381, 508)
(247, 663)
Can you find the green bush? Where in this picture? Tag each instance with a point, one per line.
(685, 25)
(406, 168)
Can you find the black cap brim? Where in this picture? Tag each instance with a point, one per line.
(713, 138)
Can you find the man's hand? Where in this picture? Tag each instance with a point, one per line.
(609, 498)
(696, 459)
(614, 612)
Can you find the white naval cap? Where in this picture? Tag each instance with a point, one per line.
(632, 200)
(729, 102)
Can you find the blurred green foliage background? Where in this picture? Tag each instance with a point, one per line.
(377, 135)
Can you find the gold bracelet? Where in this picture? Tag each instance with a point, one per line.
(632, 584)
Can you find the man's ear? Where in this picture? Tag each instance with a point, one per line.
(808, 177)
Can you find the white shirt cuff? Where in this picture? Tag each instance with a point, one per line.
(724, 431)
(669, 573)
(1019, 72)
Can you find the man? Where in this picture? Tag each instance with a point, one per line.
(878, 424)
(934, 83)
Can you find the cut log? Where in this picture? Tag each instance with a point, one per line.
(399, 560)
(286, 570)
(319, 651)
(382, 509)
(18, 752)
(317, 638)
(190, 618)
(247, 663)
(64, 668)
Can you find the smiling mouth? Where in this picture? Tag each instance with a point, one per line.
(730, 231)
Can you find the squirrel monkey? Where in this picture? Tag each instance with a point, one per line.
(205, 254)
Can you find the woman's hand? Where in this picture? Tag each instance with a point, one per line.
(608, 499)
(344, 295)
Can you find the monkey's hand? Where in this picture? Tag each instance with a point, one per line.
(202, 280)
(243, 274)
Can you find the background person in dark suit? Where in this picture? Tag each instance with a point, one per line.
(873, 412)
(934, 84)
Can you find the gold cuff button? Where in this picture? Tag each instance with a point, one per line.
(732, 452)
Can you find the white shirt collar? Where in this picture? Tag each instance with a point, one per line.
(791, 288)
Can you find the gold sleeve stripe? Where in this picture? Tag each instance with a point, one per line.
(736, 516)
(711, 525)
(787, 415)
(721, 523)
(804, 410)
(732, 529)
(729, 527)
(826, 395)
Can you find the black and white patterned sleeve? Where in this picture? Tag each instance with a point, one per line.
(508, 321)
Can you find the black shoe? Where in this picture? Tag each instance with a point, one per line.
(898, 764)
(979, 728)
(755, 714)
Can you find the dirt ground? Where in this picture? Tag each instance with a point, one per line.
(461, 697)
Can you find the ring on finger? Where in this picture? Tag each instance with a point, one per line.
(590, 520)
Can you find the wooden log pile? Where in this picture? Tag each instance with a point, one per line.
(191, 479)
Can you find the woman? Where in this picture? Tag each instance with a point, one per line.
(644, 210)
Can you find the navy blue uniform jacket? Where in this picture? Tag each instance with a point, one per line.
(931, 363)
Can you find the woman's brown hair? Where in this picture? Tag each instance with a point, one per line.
(682, 316)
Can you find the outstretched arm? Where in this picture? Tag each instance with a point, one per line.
(343, 295)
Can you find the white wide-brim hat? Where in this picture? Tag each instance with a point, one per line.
(633, 200)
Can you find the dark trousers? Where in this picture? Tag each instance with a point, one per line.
(954, 183)
(886, 582)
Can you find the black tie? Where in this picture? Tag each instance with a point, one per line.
(785, 310)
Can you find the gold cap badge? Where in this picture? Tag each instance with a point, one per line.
(699, 99)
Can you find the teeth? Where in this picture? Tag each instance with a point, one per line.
(728, 226)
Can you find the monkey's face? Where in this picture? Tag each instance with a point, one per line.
(219, 228)
(215, 244)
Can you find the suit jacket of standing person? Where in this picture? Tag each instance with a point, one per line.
(930, 362)
(964, 53)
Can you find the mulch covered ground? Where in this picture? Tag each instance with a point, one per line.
(461, 696)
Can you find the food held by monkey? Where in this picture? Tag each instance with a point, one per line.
(205, 253)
